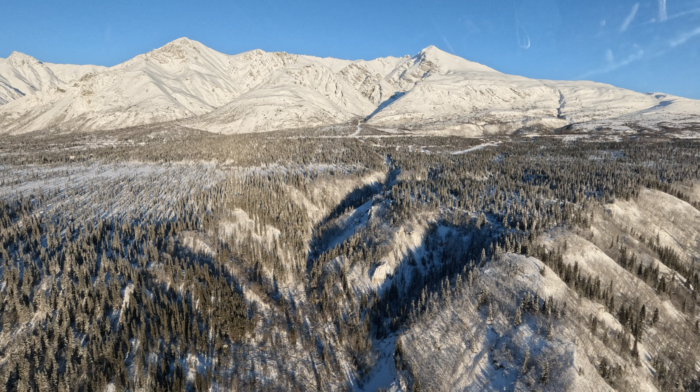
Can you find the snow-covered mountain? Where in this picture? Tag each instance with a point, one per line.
(181, 79)
(256, 91)
(299, 95)
(21, 75)
(458, 97)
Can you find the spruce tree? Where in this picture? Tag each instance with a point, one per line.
(526, 361)
(544, 379)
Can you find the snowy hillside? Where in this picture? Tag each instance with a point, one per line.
(22, 75)
(472, 103)
(178, 80)
(299, 95)
(167, 258)
(256, 91)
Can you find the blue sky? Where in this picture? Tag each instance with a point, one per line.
(646, 46)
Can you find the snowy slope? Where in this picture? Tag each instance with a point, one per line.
(457, 349)
(368, 77)
(473, 102)
(7, 92)
(21, 75)
(180, 79)
(257, 91)
(466, 99)
(299, 95)
(69, 72)
(653, 111)
(185, 79)
(659, 216)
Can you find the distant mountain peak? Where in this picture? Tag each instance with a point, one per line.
(449, 62)
(18, 59)
(432, 48)
(181, 50)
(251, 54)
(182, 40)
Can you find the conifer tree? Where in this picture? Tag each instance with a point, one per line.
(526, 361)
(544, 379)
(518, 317)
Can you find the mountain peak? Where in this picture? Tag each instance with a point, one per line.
(449, 62)
(182, 41)
(18, 59)
(252, 53)
(180, 50)
(432, 49)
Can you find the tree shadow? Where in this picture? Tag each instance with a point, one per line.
(352, 201)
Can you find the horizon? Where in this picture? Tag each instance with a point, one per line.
(300, 54)
(234, 54)
(642, 46)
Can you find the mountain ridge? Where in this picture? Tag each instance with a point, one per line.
(257, 91)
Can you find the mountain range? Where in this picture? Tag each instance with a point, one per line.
(256, 91)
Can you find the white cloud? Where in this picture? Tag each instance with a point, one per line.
(452, 50)
(662, 11)
(630, 17)
(681, 39)
(609, 57)
(614, 65)
(522, 35)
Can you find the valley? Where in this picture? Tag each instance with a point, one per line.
(190, 220)
(348, 257)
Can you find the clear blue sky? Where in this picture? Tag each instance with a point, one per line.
(646, 45)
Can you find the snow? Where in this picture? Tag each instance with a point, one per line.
(471, 103)
(241, 222)
(300, 95)
(383, 374)
(438, 347)
(257, 91)
(658, 214)
(479, 147)
(115, 190)
(359, 129)
(21, 75)
(196, 243)
(404, 240)
(127, 296)
(593, 262)
(357, 218)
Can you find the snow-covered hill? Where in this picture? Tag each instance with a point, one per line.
(473, 103)
(21, 75)
(299, 95)
(256, 91)
(181, 79)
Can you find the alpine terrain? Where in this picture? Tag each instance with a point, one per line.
(190, 220)
(432, 92)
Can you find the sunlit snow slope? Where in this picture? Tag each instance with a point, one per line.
(22, 75)
(257, 91)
